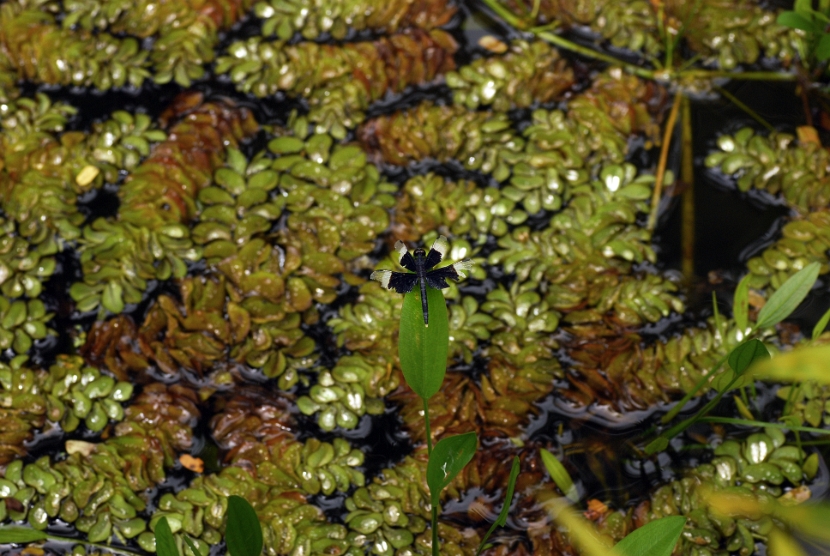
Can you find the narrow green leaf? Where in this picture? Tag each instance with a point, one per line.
(799, 365)
(423, 349)
(192, 545)
(657, 445)
(821, 325)
(745, 354)
(655, 538)
(823, 48)
(740, 304)
(165, 543)
(447, 459)
(786, 298)
(243, 533)
(559, 475)
(20, 535)
(501, 521)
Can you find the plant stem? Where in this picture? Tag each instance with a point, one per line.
(661, 165)
(750, 112)
(590, 53)
(434, 507)
(687, 176)
(426, 422)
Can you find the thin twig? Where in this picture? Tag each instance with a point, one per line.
(661, 165)
(687, 176)
(749, 111)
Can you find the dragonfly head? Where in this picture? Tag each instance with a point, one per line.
(419, 253)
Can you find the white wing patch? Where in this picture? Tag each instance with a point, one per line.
(461, 266)
(382, 276)
(400, 247)
(441, 245)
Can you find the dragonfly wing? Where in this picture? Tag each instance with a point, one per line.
(406, 259)
(437, 253)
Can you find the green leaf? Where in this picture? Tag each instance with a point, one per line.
(447, 459)
(740, 304)
(818, 329)
(423, 349)
(165, 543)
(192, 545)
(243, 533)
(786, 298)
(655, 538)
(657, 445)
(501, 521)
(795, 20)
(746, 354)
(823, 48)
(559, 475)
(112, 298)
(799, 365)
(20, 535)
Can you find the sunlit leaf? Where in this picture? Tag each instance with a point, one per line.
(807, 363)
(423, 349)
(747, 353)
(559, 475)
(165, 543)
(786, 298)
(447, 459)
(818, 329)
(808, 520)
(243, 533)
(740, 304)
(781, 543)
(582, 532)
(655, 538)
(501, 521)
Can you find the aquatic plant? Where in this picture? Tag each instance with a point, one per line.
(233, 267)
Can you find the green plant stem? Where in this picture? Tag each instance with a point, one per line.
(689, 395)
(505, 14)
(429, 453)
(426, 423)
(751, 423)
(687, 176)
(749, 111)
(590, 53)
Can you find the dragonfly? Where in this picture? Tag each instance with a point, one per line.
(419, 264)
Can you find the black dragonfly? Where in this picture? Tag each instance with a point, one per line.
(419, 265)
